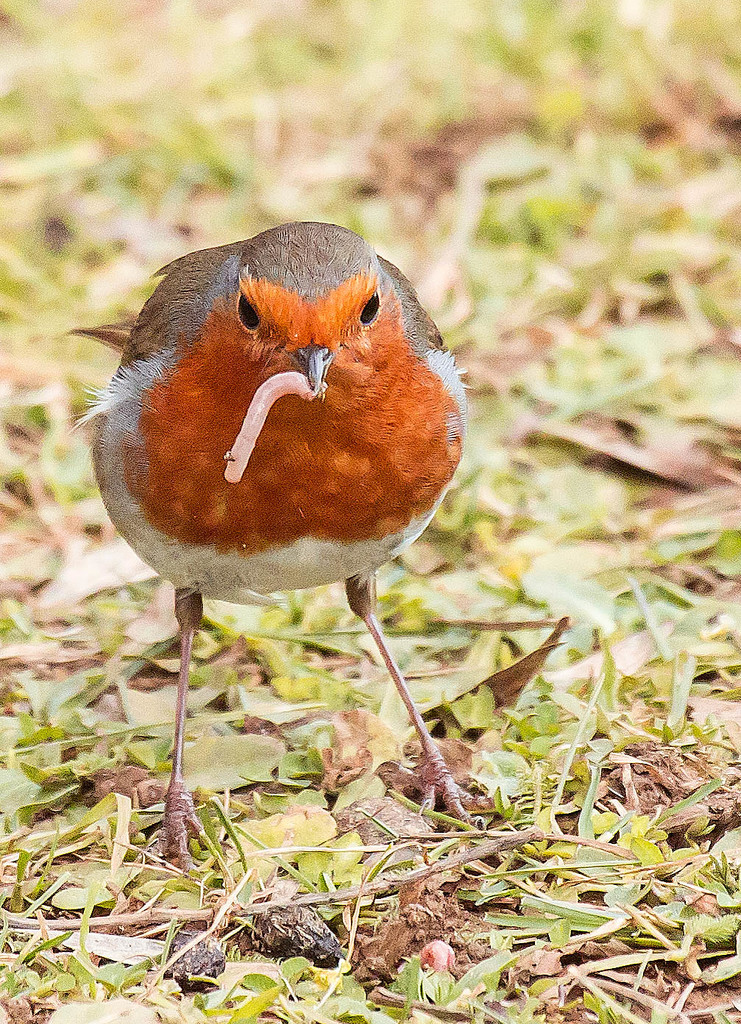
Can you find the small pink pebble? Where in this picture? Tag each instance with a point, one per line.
(438, 955)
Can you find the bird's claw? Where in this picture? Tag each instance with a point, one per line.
(438, 784)
(179, 822)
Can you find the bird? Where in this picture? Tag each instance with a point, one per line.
(307, 340)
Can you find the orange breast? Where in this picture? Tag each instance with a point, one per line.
(362, 463)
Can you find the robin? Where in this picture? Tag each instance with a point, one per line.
(285, 415)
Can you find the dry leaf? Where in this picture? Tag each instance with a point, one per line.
(630, 656)
(361, 742)
(681, 462)
(509, 682)
(122, 949)
(104, 568)
(46, 653)
(726, 711)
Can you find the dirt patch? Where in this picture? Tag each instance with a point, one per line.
(20, 1011)
(653, 777)
(426, 912)
(715, 999)
(428, 168)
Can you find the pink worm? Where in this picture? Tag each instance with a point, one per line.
(289, 383)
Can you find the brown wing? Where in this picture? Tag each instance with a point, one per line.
(178, 305)
(183, 299)
(419, 325)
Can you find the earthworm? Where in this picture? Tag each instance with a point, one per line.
(289, 383)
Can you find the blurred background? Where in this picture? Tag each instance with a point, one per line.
(521, 160)
(561, 180)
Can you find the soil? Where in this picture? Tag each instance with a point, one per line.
(426, 912)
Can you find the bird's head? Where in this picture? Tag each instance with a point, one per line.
(311, 332)
(311, 292)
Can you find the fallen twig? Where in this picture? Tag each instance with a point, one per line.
(503, 625)
(141, 918)
(382, 997)
(500, 844)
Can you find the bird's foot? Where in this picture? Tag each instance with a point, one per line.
(179, 822)
(438, 784)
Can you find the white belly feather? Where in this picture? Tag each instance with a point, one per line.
(229, 576)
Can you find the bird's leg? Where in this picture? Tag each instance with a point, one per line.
(436, 776)
(180, 817)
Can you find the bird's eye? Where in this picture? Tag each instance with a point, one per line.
(248, 314)
(369, 311)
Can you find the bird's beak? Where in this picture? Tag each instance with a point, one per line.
(313, 361)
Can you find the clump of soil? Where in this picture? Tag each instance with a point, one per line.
(197, 969)
(427, 912)
(296, 931)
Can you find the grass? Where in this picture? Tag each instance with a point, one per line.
(562, 182)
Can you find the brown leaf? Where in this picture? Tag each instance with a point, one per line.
(541, 962)
(680, 462)
(508, 683)
(400, 820)
(630, 655)
(361, 742)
